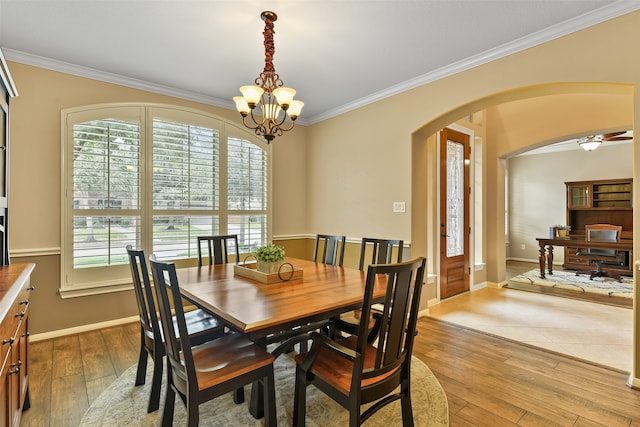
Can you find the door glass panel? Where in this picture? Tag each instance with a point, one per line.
(455, 198)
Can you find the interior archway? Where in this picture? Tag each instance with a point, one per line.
(512, 122)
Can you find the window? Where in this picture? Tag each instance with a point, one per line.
(154, 177)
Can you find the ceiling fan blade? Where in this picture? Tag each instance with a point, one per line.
(618, 138)
(610, 136)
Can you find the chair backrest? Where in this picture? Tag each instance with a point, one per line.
(144, 294)
(399, 317)
(332, 249)
(603, 233)
(381, 251)
(218, 248)
(178, 344)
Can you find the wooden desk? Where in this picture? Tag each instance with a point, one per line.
(547, 244)
(258, 309)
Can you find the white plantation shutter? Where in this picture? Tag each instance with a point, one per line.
(186, 180)
(247, 192)
(106, 191)
(155, 177)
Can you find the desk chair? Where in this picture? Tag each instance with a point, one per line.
(332, 249)
(381, 251)
(601, 257)
(354, 372)
(201, 326)
(199, 373)
(218, 248)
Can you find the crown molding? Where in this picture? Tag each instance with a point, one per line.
(597, 16)
(91, 73)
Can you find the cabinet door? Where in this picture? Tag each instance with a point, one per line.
(22, 356)
(5, 393)
(578, 196)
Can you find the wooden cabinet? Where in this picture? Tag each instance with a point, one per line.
(15, 292)
(599, 202)
(7, 91)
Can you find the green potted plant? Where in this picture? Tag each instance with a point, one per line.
(270, 257)
(563, 230)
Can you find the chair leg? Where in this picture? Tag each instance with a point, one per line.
(299, 399)
(238, 395)
(354, 418)
(405, 401)
(193, 414)
(270, 399)
(167, 414)
(156, 383)
(141, 373)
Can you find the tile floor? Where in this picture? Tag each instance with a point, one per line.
(595, 332)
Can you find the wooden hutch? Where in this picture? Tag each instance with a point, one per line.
(599, 202)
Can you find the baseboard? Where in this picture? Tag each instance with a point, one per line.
(633, 382)
(84, 328)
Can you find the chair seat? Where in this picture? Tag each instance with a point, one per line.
(338, 371)
(226, 358)
(199, 321)
(201, 326)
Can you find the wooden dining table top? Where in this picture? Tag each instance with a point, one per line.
(258, 309)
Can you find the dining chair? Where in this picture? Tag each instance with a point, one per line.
(218, 248)
(200, 325)
(354, 372)
(381, 251)
(329, 249)
(602, 257)
(200, 373)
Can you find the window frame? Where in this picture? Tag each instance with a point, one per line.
(76, 282)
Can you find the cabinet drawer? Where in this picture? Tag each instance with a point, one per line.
(10, 324)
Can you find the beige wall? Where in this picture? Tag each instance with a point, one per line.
(339, 176)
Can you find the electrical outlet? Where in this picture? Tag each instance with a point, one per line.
(398, 206)
(522, 246)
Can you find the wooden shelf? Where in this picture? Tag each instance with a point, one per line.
(598, 202)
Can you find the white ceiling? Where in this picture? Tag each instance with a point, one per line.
(338, 54)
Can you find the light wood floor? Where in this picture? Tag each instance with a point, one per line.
(488, 381)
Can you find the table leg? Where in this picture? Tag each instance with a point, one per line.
(256, 402)
(541, 259)
(550, 259)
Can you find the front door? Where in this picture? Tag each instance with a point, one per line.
(454, 213)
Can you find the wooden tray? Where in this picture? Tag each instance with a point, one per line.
(249, 271)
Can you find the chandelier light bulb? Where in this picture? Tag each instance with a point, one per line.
(294, 109)
(284, 95)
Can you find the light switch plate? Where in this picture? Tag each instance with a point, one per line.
(398, 206)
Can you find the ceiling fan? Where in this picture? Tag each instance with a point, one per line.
(591, 142)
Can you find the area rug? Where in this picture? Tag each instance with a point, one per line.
(569, 280)
(122, 404)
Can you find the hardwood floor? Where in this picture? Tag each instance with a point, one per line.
(488, 381)
(66, 374)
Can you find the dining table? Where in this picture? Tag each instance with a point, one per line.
(259, 310)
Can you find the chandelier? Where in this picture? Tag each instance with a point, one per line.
(275, 101)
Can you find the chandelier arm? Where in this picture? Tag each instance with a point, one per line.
(251, 126)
